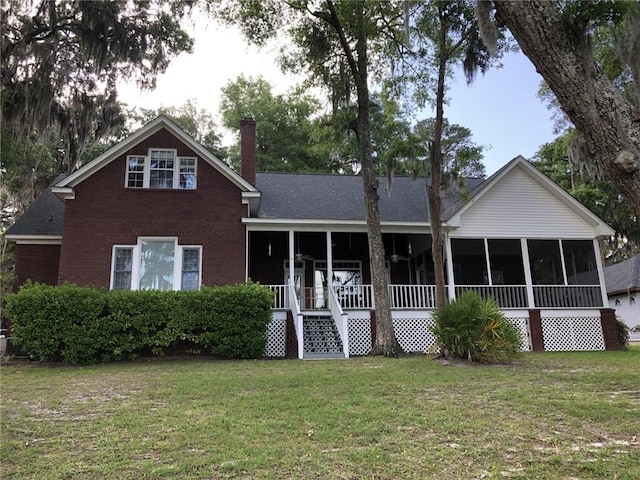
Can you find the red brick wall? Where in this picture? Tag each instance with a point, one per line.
(609, 329)
(38, 263)
(535, 326)
(105, 213)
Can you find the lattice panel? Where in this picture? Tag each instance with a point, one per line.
(359, 336)
(522, 324)
(414, 334)
(276, 338)
(571, 334)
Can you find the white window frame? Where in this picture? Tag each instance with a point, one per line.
(177, 168)
(137, 257)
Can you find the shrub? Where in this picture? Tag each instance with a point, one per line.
(236, 320)
(58, 323)
(86, 325)
(476, 330)
(623, 334)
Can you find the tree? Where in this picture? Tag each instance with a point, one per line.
(461, 157)
(284, 124)
(444, 34)
(597, 195)
(556, 36)
(198, 123)
(60, 62)
(334, 43)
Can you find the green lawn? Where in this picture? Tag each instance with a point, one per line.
(548, 416)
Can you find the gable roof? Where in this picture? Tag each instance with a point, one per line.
(623, 277)
(453, 215)
(63, 187)
(341, 197)
(42, 219)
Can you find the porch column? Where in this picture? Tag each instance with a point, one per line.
(603, 286)
(528, 279)
(292, 254)
(451, 288)
(329, 264)
(488, 260)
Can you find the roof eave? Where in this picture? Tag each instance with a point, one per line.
(35, 239)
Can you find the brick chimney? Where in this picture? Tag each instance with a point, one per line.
(248, 149)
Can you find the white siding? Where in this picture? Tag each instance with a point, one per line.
(627, 308)
(518, 206)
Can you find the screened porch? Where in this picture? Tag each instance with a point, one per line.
(517, 273)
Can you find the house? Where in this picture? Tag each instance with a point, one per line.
(623, 289)
(159, 211)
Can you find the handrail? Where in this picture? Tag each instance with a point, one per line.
(341, 319)
(297, 319)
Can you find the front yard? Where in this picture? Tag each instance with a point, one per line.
(548, 416)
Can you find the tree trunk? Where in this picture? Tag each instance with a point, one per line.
(385, 342)
(563, 56)
(435, 157)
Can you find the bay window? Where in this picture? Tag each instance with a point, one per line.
(156, 264)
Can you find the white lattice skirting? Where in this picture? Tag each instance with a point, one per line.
(276, 338)
(572, 334)
(522, 324)
(414, 334)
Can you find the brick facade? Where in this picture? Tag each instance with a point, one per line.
(105, 213)
(38, 263)
(535, 327)
(610, 329)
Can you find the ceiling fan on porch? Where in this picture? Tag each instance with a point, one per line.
(394, 257)
(299, 256)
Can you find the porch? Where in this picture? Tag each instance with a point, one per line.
(330, 283)
(518, 273)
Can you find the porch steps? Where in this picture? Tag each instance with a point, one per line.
(321, 337)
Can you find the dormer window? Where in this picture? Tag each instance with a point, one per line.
(161, 169)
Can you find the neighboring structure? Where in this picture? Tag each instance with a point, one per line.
(623, 289)
(159, 211)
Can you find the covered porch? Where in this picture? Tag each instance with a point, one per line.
(517, 273)
(549, 288)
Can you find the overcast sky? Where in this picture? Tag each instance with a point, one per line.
(500, 108)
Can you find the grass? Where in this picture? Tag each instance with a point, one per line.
(548, 416)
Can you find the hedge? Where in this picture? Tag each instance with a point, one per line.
(83, 325)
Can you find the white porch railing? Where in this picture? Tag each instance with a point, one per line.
(297, 318)
(360, 297)
(355, 296)
(412, 296)
(567, 296)
(507, 296)
(280, 299)
(341, 319)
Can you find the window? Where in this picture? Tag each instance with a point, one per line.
(122, 267)
(187, 173)
(135, 172)
(156, 264)
(190, 268)
(161, 169)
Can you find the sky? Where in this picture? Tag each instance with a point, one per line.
(500, 108)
